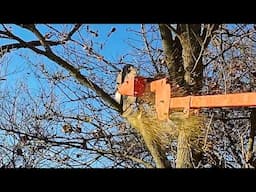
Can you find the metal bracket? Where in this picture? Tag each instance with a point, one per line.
(162, 97)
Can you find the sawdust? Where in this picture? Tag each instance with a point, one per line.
(143, 117)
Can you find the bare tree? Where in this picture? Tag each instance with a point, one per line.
(68, 116)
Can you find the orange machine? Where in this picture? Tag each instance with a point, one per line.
(135, 86)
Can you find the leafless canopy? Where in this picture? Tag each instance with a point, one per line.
(57, 84)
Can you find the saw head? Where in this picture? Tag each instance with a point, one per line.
(125, 100)
(130, 86)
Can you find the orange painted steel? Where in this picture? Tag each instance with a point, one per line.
(133, 86)
(164, 102)
(127, 87)
(162, 97)
(227, 100)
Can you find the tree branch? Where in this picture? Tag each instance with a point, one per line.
(9, 47)
(148, 48)
(135, 159)
(172, 29)
(207, 32)
(33, 29)
(23, 43)
(206, 40)
(172, 50)
(75, 28)
(166, 37)
(249, 154)
(73, 71)
(84, 81)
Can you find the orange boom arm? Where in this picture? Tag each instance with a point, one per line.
(228, 100)
(135, 86)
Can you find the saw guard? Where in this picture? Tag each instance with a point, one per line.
(133, 86)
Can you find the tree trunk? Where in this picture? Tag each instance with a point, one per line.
(157, 154)
(188, 55)
(191, 57)
(249, 154)
(172, 50)
(137, 120)
(183, 151)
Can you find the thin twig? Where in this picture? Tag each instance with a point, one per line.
(207, 131)
(203, 45)
(148, 48)
(147, 165)
(172, 29)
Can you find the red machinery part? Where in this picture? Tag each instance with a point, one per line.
(139, 86)
(133, 86)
